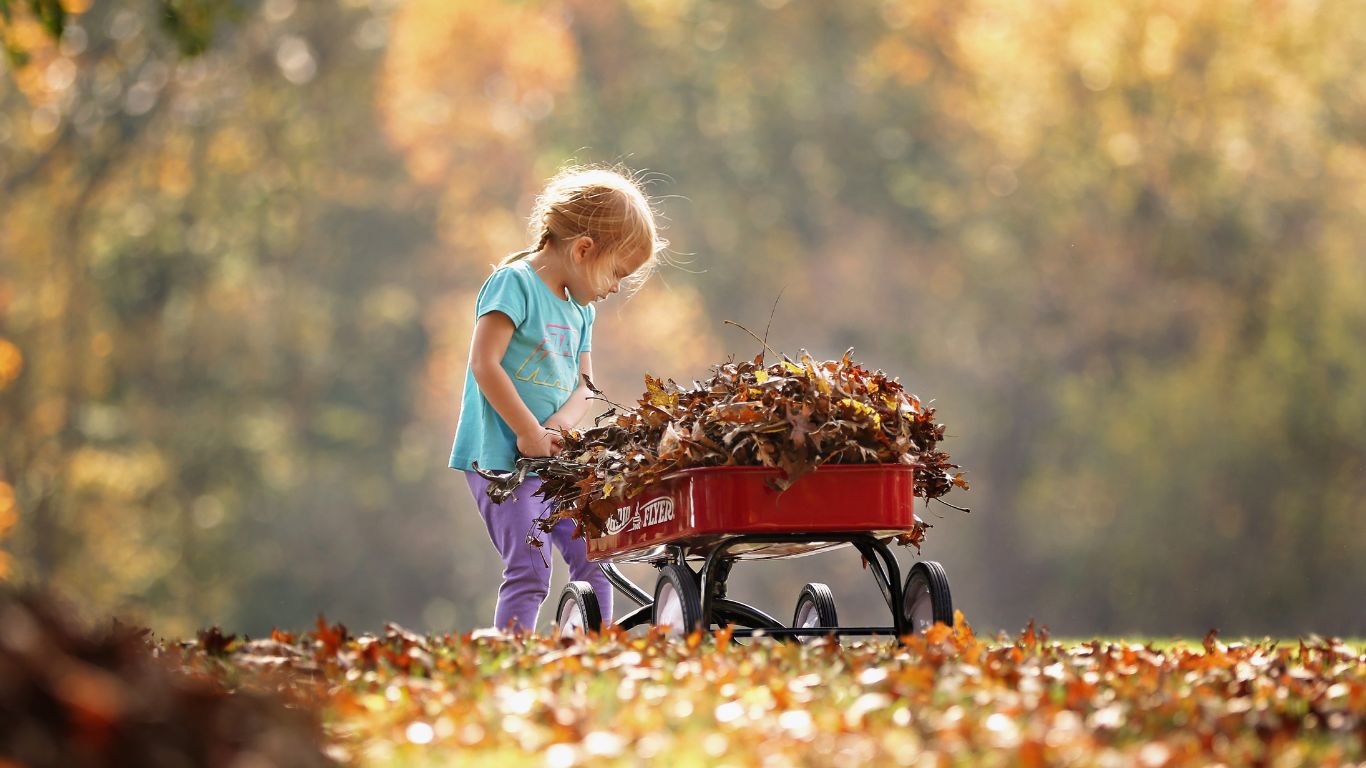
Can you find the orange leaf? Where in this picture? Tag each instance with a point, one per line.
(938, 633)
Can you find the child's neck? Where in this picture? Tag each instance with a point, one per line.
(549, 265)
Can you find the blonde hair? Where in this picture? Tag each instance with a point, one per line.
(605, 204)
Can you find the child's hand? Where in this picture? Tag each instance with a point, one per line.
(557, 422)
(544, 442)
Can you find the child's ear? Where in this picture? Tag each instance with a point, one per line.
(581, 248)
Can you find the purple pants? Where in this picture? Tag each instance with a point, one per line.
(526, 569)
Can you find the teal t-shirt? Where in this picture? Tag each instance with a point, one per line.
(542, 359)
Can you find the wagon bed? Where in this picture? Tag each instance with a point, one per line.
(698, 508)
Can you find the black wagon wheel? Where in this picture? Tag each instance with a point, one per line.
(678, 603)
(579, 611)
(926, 599)
(815, 608)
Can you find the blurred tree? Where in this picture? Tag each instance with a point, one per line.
(1057, 206)
(190, 325)
(190, 24)
(1120, 244)
(47, 16)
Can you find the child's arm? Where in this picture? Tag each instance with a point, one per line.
(492, 332)
(572, 412)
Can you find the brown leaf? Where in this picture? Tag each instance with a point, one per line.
(793, 416)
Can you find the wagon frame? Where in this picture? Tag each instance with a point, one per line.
(715, 516)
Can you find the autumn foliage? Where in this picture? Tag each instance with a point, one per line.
(793, 415)
(945, 697)
(71, 696)
(74, 696)
(1121, 242)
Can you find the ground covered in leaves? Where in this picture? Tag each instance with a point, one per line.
(946, 698)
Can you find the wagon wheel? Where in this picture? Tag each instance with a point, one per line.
(815, 608)
(926, 599)
(578, 612)
(677, 602)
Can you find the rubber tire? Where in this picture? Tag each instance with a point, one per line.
(928, 574)
(579, 593)
(823, 599)
(684, 585)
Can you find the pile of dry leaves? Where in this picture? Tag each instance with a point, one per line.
(792, 415)
(74, 696)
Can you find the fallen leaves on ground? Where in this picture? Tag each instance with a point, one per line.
(944, 698)
(70, 696)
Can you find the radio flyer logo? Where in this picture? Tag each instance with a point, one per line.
(618, 521)
(633, 519)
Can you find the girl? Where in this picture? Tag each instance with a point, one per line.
(534, 322)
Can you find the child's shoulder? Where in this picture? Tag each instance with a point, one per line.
(508, 276)
(507, 291)
(513, 270)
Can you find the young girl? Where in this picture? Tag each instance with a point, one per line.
(534, 322)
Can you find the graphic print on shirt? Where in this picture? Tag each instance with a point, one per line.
(558, 341)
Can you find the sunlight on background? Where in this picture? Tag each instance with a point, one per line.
(1119, 244)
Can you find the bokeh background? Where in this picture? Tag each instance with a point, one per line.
(1121, 245)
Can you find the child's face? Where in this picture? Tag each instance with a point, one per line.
(601, 277)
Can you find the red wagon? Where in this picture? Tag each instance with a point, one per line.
(711, 517)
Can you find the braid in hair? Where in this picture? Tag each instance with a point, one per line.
(522, 254)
